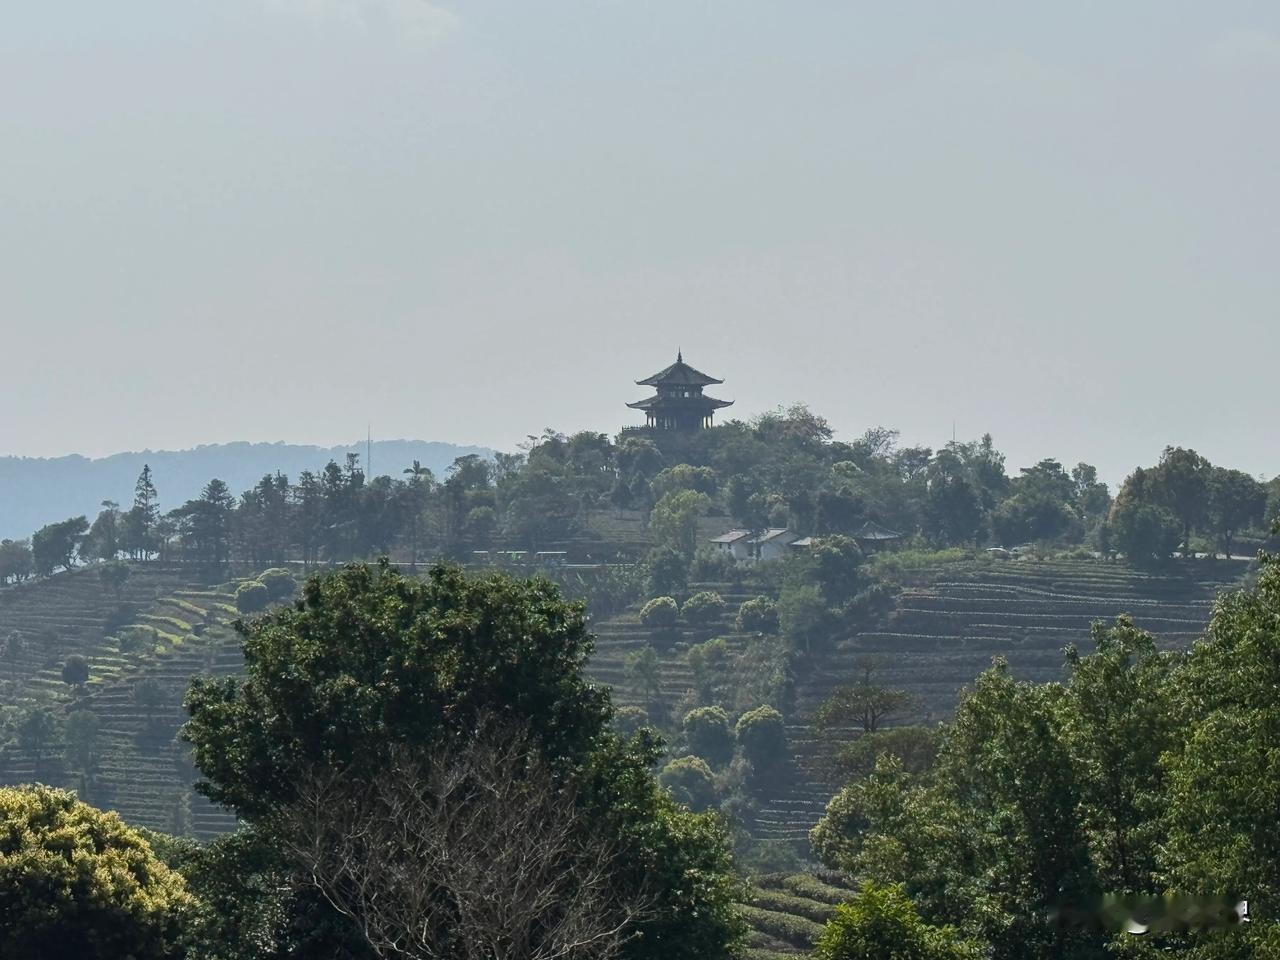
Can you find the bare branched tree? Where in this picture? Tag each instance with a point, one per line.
(476, 852)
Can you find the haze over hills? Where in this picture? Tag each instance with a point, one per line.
(36, 491)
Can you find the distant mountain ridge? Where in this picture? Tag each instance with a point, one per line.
(37, 490)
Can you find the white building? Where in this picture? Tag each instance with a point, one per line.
(736, 543)
(746, 547)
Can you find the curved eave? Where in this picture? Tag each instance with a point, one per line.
(702, 403)
(679, 374)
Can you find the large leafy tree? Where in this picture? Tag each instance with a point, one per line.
(54, 545)
(1181, 484)
(370, 661)
(77, 884)
(1236, 502)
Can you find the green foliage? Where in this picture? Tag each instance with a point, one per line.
(916, 746)
(16, 561)
(702, 608)
(252, 597)
(280, 583)
(628, 720)
(37, 731)
(759, 615)
(661, 615)
(668, 572)
(644, 675)
(370, 660)
(708, 735)
(710, 664)
(880, 923)
(77, 884)
(691, 782)
(674, 521)
(82, 739)
(836, 565)
(762, 734)
(114, 574)
(803, 615)
(682, 477)
(865, 704)
(55, 545)
(75, 671)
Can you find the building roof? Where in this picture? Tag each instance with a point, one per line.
(679, 374)
(733, 536)
(873, 531)
(803, 542)
(774, 533)
(705, 402)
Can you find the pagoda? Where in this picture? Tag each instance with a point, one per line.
(679, 403)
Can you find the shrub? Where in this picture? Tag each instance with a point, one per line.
(708, 735)
(668, 572)
(77, 883)
(804, 615)
(280, 583)
(758, 616)
(712, 564)
(702, 608)
(75, 672)
(880, 923)
(763, 737)
(709, 663)
(627, 720)
(660, 614)
(690, 781)
(252, 597)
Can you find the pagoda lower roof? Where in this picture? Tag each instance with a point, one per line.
(657, 402)
(679, 374)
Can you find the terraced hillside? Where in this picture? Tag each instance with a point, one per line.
(951, 621)
(786, 912)
(948, 624)
(142, 649)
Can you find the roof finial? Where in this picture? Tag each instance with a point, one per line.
(679, 356)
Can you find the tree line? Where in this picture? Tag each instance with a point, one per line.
(781, 469)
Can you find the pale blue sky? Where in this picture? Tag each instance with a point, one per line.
(282, 219)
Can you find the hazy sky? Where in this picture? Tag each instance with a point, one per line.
(465, 221)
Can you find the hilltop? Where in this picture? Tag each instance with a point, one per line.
(39, 490)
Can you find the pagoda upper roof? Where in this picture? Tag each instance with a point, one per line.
(701, 402)
(679, 374)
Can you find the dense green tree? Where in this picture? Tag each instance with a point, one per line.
(708, 735)
(1180, 483)
(644, 675)
(674, 521)
(866, 705)
(668, 572)
(682, 477)
(54, 545)
(880, 923)
(758, 615)
(762, 734)
(691, 782)
(803, 615)
(139, 523)
(38, 730)
(1224, 775)
(103, 540)
(16, 561)
(77, 884)
(702, 608)
(252, 597)
(1236, 502)
(836, 562)
(953, 508)
(75, 671)
(81, 734)
(114, 574)
(370, 661)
